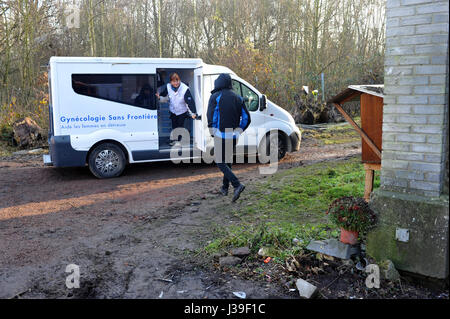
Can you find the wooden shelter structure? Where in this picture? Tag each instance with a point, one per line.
(371, 107)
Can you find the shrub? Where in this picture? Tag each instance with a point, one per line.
(6, 132)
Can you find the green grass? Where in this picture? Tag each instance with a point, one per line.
(292, 204)
(334, 133)
(5, 149)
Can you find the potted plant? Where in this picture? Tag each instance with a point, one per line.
(353, 216)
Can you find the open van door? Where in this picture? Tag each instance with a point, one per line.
(249, 140)
(199, 133)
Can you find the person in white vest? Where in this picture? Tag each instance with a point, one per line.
(181, 102)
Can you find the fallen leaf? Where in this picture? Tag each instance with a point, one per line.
(289, 267)
(316, 270)
(296, 263)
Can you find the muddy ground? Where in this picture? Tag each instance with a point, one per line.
(136, 236)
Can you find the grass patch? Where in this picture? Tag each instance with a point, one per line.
(6, 149)
(334, 133)
(6, 133)
(291, 204)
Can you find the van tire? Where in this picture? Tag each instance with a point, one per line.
(107, 160)
(282, 147)
(269, 141)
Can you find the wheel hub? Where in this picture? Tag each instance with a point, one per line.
(107, 161)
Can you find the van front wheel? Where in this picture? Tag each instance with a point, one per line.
(107, 160)
(273, 144)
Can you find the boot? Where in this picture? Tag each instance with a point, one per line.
(237, 192)
(224, 191)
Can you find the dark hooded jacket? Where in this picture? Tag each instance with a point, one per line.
(226, 109)
(146, 100)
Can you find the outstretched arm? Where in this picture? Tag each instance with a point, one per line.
(163, 92)
(191, 103)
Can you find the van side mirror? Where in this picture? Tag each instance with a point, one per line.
(262, 103)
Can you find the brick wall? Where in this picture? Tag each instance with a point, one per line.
(445, 189)
(415, 117)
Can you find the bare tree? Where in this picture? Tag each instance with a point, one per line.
(278, 45)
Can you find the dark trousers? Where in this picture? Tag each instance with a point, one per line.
(178, 121)
(223, 152)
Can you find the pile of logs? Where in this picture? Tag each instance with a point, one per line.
(27, 133)
(309, 110)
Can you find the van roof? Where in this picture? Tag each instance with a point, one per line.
(67, 59)
(166, 62)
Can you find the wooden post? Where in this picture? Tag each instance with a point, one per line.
(368, 186)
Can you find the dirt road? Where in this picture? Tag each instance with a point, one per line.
(132, 236)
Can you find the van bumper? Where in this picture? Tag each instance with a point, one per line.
(295, 141)
(62, 153)
(47, 160)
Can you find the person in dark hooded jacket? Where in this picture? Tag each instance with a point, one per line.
(146, 97)
(228, 117)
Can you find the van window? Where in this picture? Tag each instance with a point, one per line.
(251, 99)
(132, 89)
(237, 87)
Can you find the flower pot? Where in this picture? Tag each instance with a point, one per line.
(349, 237)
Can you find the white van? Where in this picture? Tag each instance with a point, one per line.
(95, 118)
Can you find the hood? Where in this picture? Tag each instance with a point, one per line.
(222, 82)
(146, 87)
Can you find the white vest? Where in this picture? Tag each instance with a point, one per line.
(177, 104)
